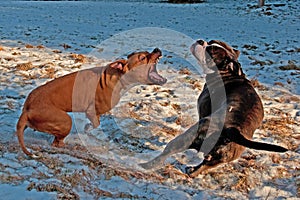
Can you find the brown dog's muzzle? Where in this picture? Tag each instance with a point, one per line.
(153, 76)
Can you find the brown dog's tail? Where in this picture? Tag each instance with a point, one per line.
(234, 135)
(21, 126)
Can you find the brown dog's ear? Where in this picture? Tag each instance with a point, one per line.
(119, 64)
(131, 54)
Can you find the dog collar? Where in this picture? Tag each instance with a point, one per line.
(234, 68)
(217, 45)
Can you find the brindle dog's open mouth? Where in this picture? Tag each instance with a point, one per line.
(153, 75)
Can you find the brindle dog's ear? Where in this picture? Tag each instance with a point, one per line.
(235, 68)
(237, 53)
(119, 64)
(232, 53)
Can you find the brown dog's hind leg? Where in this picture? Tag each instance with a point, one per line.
(56, 122)
(62, 129)
(58, 142)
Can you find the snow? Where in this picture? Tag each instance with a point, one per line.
(10, 192)
(104, 163)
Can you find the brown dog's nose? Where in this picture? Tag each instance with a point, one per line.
(201, 42)
(157, 51)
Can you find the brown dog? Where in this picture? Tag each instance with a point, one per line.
(229, 111)
(93, 91)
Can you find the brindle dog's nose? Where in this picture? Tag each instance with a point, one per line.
(201, 42)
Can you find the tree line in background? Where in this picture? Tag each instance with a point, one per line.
(261, 3)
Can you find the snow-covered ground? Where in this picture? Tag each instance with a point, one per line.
(103, 164)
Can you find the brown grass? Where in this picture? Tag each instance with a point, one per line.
(29, 46)
(79, 58)
(176, 107)
(15, 53)
(169, 171)
(281, 128)
(24, 66)
(169, 130)
(279, 84)
(40, 47)
(255, 83)
(63, 191)
(10, 59)
(185, 71)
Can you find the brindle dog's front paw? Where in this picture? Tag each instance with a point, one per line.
(88, 128)
(193, 172)
(189, 170)
(146, 166)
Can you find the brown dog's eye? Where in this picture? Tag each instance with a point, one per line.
(142, 57)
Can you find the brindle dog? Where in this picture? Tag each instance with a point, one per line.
(229, 112)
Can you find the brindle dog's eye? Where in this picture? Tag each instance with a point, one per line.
(210, 49)
(214, 48)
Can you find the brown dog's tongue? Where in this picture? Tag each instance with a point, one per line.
(156, 78)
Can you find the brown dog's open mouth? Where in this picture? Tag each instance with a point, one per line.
(153, 75)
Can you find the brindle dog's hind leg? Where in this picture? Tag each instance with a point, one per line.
(205, 165)
(180, 143)
(192, 138)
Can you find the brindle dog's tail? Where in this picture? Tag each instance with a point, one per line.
(234, 135)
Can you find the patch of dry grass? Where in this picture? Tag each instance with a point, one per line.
(25, 66)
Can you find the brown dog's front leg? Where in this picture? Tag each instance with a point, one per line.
(95, 122)
(95, 119)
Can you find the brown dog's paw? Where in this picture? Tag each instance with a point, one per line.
(58, 142)
(37, 155)
(88, 128)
